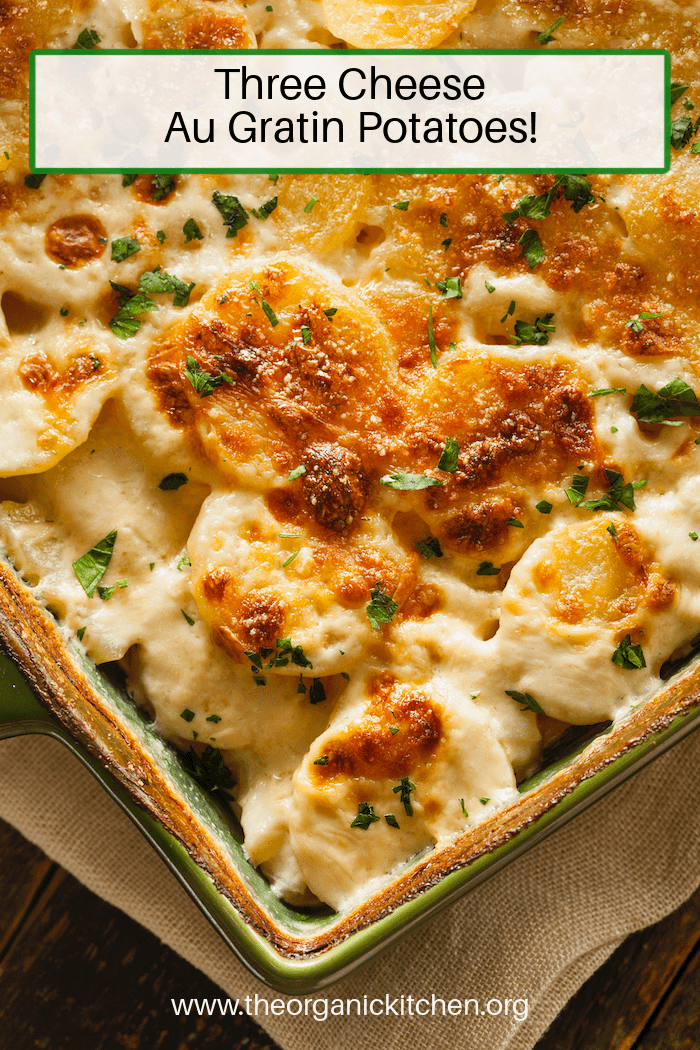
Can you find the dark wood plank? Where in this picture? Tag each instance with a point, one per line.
(616, 1004)
(82, 974)
(24, 872)
(676, 1025)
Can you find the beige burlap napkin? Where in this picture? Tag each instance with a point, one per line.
(535, 931)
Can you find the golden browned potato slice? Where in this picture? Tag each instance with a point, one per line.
(373, 24)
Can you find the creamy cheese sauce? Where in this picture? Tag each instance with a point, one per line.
(496, 601)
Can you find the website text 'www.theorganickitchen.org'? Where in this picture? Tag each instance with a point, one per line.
(321, 1009)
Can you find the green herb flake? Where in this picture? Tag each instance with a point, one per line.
(404, 789)
(516, 523)
(536, 334)
(265, 209)
(290, 559)
(678, 91)
(183, 563)
(533, 252)
(171, 482)
(123, 248)
(87, 40)
(92, 566)
(449, 456)
(682, 132)
(488, 569)
(446, 243)
(393, 730)
(106, 593)
(429, 548)
(443, 219)
(192, 231)
(392, 821)
(628, 656)
(317, 693)
(309, 206)
(331, 313)
(401, 205)
(381, 608)
(509, 312)
(451, 288)
(187, 715)
(526, 700)
(608, 390)
(273, 179)
(489, 287)
(210, 771)
(409, 482)
(431, 337)
(305, 334)
(674, 399)
(158, 282)
(161, 236)
(545, 37)
(693, 535)
(578, 488)
(128, 180)
(613, 532)
(484, 800)
(33, 181)
(63, 312)
(125, 323)
(80, 633)
(161, 186)
(232, 212)
(461, 802)
(213, 718)
(203, 382)
(618, 494)
(267, 309)
(298, 472)
(322, 761)
(365, 816)
(188, 618)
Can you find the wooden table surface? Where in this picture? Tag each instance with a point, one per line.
(76, 974)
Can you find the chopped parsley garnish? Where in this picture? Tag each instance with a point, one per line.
(308, 207)
(393, 730)
(618, 494)
(160, 235)
(33, 181)
(509, 311)
(401, 205)
(516, 523)
(443, 219)
(446, 243)
(280, 656)
(161, 186)
(305, 334)
(106, 593)
(489, 287)
(125, 323)
(682, 131)
(544, 506)
(87, 40)
(123, 248)
(188, 618)
(158, 282)
(608, 390)
(64, 312)
(183, 562)
(187, 715)
(232, 212)
(192, 231)
(578, 488)
(488, 569)
(267, 309)
(330, 314)
(536, 334)
(533, 252)
(273, 179)
(526, 700)
(636, 322)
(209, 770)
(461, 802)
(127, 180)
(545, 37)
(678, 91)
(296, 473)
(576, 188)
(613, 532)
(674, 399)
(213, 718)
(451, 288)
(449, 456)
(80, 633)
(431, 337)
(429, 548)
(381, 608)
(317, 693)
(171, 482)
(322, 761)
(290, 559)
(628, 656)
(204, 382)
(92, 566)
(484, 800)
(265, 209)
(365, 816)
(405, 787)
(409, 482)
(392, 821)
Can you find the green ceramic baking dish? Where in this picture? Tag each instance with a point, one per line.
(48, 686)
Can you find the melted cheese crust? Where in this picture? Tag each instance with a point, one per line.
(313, 331)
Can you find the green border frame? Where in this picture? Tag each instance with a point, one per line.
(318, 52)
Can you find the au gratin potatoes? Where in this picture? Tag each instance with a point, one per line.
(370, 483)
